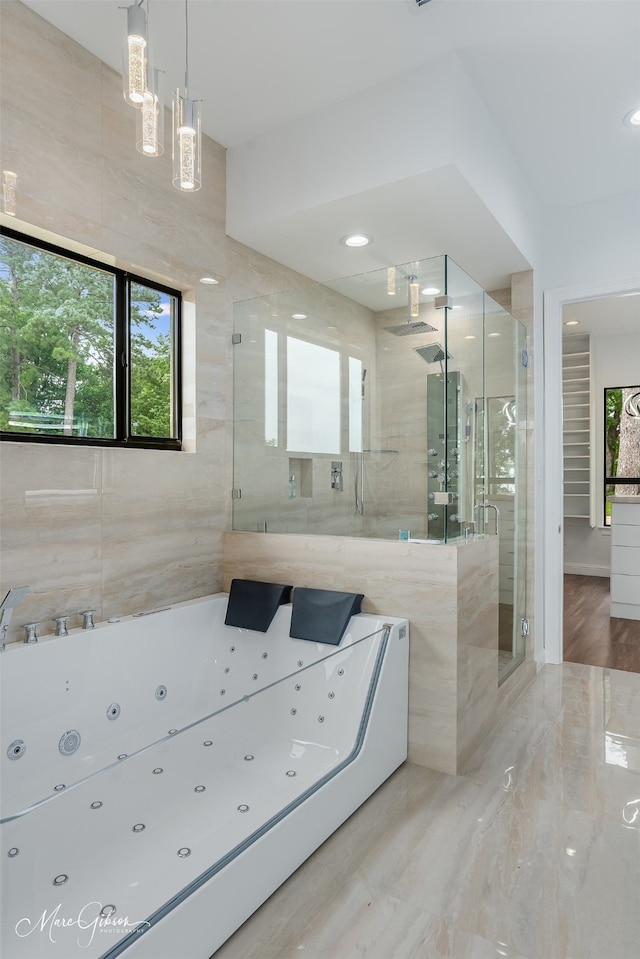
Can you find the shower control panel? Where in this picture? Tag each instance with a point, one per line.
(336, 475)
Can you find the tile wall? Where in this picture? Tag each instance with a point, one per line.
(118, 530)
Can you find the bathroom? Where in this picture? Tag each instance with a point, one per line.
(123, 530)
(119, 531)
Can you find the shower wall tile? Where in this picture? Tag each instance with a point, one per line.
(477, 643)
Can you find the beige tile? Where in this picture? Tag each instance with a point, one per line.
(161, 540)
(50, 531)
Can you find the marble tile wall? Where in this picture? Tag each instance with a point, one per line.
(448, 593)
(111, 529)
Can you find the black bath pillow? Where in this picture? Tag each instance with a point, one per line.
(322, 615)
(252, 605)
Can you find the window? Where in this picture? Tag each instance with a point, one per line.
(501, 443)
(621, 444)
(88, 353)
(313, 397)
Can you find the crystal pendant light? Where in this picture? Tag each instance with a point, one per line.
(134, 66)
(187, 137)
(414, 296)
(150, 117)
(391, 280)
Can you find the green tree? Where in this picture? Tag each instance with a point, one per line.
(151, 388)
(57, 344)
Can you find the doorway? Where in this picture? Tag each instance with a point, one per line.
(573, 603)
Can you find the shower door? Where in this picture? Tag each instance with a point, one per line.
(505, 500)
(486, 465)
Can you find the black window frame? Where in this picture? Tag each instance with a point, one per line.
(612, 480)
(123, 281)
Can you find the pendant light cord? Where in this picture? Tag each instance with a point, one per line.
(186, 50)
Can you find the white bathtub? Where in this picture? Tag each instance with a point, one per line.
(210, 762)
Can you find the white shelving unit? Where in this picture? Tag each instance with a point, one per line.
(576, 398)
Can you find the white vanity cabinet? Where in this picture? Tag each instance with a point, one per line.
(625, 557)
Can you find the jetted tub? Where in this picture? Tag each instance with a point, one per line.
(164, 774)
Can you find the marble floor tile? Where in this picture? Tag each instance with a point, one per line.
(532, 852)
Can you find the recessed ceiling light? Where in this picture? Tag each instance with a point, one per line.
(356, 239)
(572, 323)
(632, 119)
(456, 306)
(470, 336)
(209, 280)
(494, 334)
(298, 316)
(430, 291)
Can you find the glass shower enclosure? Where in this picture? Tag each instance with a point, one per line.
(392, 405)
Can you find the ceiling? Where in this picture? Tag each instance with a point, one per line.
(610, 315)
(557, 77)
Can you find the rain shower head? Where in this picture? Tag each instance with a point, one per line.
(434, 353)
(409, 328)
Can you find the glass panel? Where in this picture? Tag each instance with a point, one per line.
(391, 481)
(505, 479)
(356, 402)
(270, 388)
(464, 392)
(435, 406)
(56, 344)
(151, 334)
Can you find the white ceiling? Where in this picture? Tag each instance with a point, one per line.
(607, 315)
(557, 77)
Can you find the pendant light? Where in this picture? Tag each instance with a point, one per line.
(187, 171)
(150, 114)
(150, 117)
(414, 296)
(134, 56)
(391, 281)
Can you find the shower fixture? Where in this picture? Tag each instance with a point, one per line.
(434, 353)
(409, 328)
(412, 325)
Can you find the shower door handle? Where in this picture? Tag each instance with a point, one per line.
(479, 506)
(491, 506)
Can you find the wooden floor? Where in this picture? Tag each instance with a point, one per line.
(591, 636)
